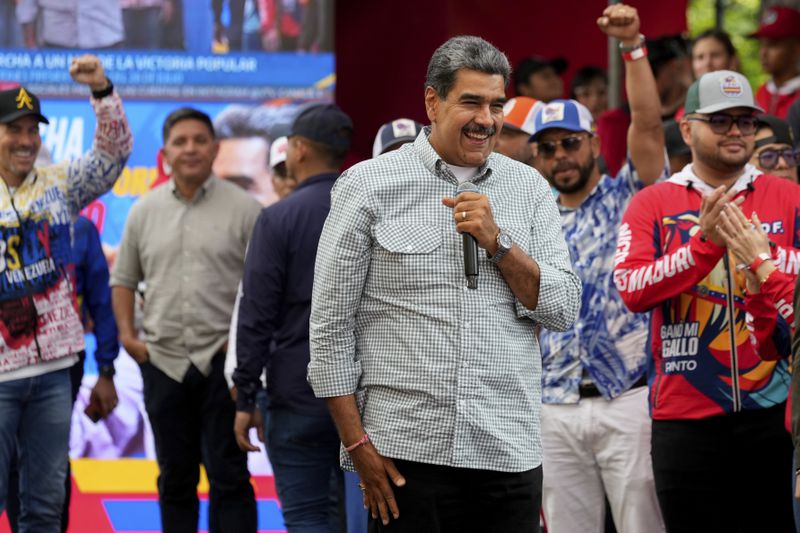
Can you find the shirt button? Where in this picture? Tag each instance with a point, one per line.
(409, 249)
(467, 324)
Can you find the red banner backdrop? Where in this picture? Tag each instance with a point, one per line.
(383, 47)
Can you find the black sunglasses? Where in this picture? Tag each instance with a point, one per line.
(569, 144)
(721, 123)
(768, 159)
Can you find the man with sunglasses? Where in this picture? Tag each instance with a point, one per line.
(718, 441)
(774, 148)
(595, 422)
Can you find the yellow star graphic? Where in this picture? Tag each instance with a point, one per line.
(24, 99)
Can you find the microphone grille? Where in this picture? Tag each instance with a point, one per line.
(466, 186)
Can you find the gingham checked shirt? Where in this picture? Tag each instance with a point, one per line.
(442, 374)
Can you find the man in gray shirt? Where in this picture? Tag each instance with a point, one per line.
(435, 388)
(186, 240)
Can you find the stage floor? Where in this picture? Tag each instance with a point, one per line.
(120, 496)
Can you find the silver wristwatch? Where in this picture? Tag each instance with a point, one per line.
(504, 244)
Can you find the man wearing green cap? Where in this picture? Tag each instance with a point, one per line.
(718, 441)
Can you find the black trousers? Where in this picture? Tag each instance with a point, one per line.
(192, 423)
(728, 473)
(442, 499)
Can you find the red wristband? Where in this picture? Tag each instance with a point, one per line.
(758, 261)
(636, 53)
(362, 441)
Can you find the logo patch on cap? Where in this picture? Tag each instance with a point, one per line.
(769, 17)
(553, 112)
(24, 99)
(731, 86)
(404, 128)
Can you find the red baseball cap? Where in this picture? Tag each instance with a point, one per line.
(778, 22)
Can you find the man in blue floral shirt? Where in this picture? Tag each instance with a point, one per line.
(595, 420)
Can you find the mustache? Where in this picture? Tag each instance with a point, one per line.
(565, 165)
(480, 130)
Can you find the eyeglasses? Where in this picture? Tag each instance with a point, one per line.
(569, 144)
(721, 123)
(768, 159)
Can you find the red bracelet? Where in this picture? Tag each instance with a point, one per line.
(636, 53)
(362, 441)
(758, 261)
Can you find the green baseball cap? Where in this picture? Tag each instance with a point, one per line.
(719, 90)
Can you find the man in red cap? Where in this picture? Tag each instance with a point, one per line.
(779, 53)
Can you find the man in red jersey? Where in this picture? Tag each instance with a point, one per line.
(718, 441)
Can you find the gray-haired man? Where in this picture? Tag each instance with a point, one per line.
(435, 388)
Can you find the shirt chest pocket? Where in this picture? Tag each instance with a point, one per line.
(406, 255)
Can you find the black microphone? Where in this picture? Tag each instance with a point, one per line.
(470, 245)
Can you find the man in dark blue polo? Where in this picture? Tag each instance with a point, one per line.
(272, 331)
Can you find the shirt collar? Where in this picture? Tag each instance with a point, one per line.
(789, 87)
(206, 188)
(687, 178)
(316, 178)
(436, 165)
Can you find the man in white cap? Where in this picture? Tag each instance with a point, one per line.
(718, 439)
(281, 181)
(395, 134)
(514, 139)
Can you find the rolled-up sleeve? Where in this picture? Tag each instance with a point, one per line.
(559, 287)
(342, 263)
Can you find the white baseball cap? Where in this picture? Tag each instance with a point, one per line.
(277, 152)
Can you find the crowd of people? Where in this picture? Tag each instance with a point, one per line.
(532, 309)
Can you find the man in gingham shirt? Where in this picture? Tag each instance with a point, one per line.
(435, 388)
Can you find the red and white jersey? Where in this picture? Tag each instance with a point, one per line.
(777, 100)
(663, 266)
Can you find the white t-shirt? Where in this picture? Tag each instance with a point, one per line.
(463, 173)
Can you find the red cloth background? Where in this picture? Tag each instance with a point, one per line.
(383, 48)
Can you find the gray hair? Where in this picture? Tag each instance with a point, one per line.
(464, 52)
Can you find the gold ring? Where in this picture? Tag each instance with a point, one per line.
(463, 215)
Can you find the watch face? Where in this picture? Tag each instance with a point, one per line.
(504, 240)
